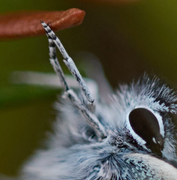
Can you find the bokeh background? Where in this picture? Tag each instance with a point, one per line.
(129, 39)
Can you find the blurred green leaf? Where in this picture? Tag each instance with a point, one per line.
(18, 94)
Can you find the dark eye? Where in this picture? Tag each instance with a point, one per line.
(145, 124)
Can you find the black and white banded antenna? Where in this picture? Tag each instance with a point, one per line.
(87, 112)
(68, 62)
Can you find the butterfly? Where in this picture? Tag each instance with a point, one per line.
(129, 135)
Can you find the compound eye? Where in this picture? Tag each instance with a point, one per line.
(145, 124)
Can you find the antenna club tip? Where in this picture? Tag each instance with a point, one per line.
(43, 24)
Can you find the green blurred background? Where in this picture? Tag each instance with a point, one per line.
(128, 40)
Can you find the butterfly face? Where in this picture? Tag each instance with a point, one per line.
(130, 136)
(148, 106)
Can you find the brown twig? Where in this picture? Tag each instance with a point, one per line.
(27, 23)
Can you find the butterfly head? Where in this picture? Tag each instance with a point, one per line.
(144, 111)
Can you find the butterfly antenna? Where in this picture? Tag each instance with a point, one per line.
(85, 111)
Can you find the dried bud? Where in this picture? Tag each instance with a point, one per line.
(27, 23)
